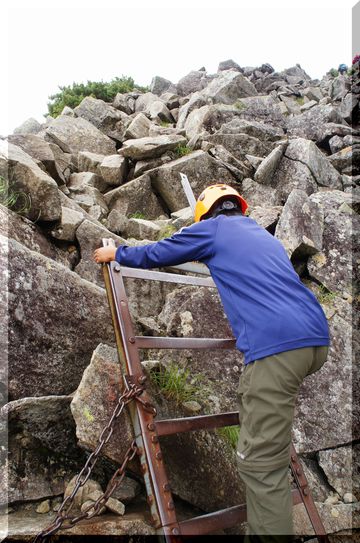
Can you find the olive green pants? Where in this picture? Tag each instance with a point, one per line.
(267, 393)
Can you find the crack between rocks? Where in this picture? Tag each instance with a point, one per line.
(301, 162)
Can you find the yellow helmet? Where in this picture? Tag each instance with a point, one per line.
(213, 194)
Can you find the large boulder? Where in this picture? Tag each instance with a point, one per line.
(262, 131)
(105, 117)
(300, 226)
(268, 166)
(201, 169)
(159, 85)
(338, 467)
(228, 87)
(56, 319)
(30, 126)
(196, 101)
(192, 82)
(312, 123)
(42, 191)
(241, 144)
(333, 266)
(261, 108)
(76, 134)
(141, 148)
(42, 153)
(138, 128)
(308, 153)
(135, 197)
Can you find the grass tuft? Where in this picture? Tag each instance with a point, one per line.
(166, 232)
(10, 197)
(174, 383)
(182, 150)
(137, 215)
(230, 434)
(325, 295)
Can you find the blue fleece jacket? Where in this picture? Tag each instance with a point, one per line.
(269, 309)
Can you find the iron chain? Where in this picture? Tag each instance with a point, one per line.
(63, 519)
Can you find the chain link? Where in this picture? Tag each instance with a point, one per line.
(63, 519)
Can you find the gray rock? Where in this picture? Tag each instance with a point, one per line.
(70, 220)
(260, 130)
(113, 169)
(159, 85)
(340, 86)
(81, 322)
(317, 482)
(267, 217)
(30, 126)
(128, 490)
(346, 161)
(229, 65)
(91, 200)
(68, 111)
(76, 134)
(336, 144)
(94, 401)
(85, 491)
(335, 518)
(347, 106)
(228, 87)
(261, 108)
(268, 166)
(144, 100)
(306, 152)
(159, 112)
(141, 148)
(333, 266)
(135, 196)
(239, 169)
(31, 236)
(310, 124)
(292, 174)
(138, 128)
(300, 226)
(313, 93)
(43, 507)
(115, 506)
(257, 194)
(144, 165)
(337, 465)
(291, 104)
(125, 102)
(200, 168)
(192, 82)
(105, 117)
(40, 188)
(142, 229)
(308, 105)
(116, 222)
(78, 181)
(240, 145)
(171, 100)
(89, 237)
(42, 153)
(196, 101)
(90, 162)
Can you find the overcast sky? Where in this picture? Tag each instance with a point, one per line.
(56, 43)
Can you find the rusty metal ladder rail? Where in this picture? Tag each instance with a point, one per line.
(148, 431)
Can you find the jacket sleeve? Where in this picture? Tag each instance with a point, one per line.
(194, 242)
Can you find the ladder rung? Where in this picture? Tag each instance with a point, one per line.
(149, 342)
(219, 520)
(167, 277)
(168, 427)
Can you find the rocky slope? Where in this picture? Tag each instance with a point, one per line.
(290, 145)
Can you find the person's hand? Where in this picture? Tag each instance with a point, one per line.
(104, 254)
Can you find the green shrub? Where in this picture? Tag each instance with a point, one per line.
(14, 199)
(72, 95)
(325, 295)
(182, 150)
(334, 72)
(165, 124)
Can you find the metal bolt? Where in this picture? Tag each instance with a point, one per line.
(159, 455)
(293, 458)
(139, 451)
(142, 379)
(151, 426)
(154, 439)
(171, 505)
(150, 499)
(143, 468)
(298, 471)
(131, 339)
(305, 492)
(166, 487)
(117, 268)
(175, 531)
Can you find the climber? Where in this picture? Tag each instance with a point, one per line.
(278, 324)
(342, 69)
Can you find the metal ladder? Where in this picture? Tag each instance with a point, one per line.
(148, 430)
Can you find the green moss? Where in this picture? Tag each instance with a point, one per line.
(182, 150)
(230, 434)
(300, 100)
(137, 215)
(166, 232)
(165, 124)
